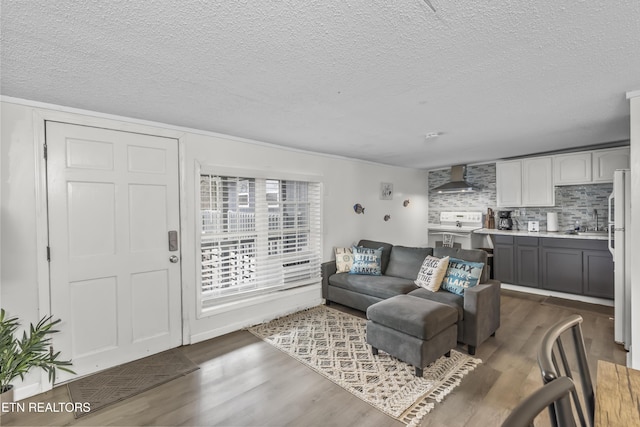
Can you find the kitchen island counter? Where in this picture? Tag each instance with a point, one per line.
(600, 235)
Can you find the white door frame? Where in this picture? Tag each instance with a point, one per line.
(40, 116)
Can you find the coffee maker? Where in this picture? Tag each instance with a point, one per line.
(504, 220)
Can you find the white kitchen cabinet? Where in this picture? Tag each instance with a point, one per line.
(604, 162)
(589, 167)
(509, 183)
(526, 182)
(537, 182)
(572, 168)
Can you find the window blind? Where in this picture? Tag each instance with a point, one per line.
(257, 235)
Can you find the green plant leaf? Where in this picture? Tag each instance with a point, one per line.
(19, 355)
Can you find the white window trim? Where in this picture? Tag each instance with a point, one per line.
(205, 307)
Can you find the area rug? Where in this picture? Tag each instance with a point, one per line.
(333, 344)
(124, 381)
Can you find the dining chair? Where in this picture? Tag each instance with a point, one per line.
(556, 359)
(555, 395)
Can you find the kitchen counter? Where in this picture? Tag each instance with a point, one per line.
(600, 235)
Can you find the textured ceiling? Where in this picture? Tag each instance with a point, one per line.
(363, 79)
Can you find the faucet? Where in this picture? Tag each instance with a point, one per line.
(595, 215)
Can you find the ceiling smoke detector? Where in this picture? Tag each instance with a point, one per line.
(431, 135)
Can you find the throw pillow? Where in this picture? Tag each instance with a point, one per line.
(432, 272)
(344, 259)
(366, 261)
(461, 275)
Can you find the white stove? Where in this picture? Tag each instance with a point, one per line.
(456, 230)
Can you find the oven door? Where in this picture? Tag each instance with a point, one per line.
(450, 239)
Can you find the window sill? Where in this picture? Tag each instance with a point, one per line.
(216, 308)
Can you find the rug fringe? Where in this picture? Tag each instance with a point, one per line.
(414, 415)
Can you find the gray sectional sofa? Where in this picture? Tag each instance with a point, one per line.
(478, 310)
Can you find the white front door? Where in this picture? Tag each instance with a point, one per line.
(115, 283)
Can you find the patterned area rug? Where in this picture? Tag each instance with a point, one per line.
(333, 344)
(121, 382)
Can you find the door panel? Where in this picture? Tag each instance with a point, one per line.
(150, 292)
(96, 201)
(113, 197)
(91, 299)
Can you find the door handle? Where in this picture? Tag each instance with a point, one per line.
(173, 240)
(174, 258)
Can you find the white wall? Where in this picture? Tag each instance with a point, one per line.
(345, 183)
(24, 273)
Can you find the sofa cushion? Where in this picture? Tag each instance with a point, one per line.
(473, 255)
(376, 286)
(432, 272)
(444, 297)
(405, 262)
(386, 251)
(461, 275)
(366, 261)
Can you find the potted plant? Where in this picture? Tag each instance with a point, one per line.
(33, 350)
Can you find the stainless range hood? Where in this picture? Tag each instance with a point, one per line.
(458, 183)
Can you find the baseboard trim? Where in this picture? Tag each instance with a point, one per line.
(544, 292)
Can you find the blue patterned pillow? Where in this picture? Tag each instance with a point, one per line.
(366, 261)
(461, 275)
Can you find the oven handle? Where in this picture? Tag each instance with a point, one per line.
(442, 233)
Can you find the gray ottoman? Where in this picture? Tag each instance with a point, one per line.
(414, 330)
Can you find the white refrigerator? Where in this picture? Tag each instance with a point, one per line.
(619, 227)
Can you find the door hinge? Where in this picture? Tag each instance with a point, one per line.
(45, 151)
(48, 254)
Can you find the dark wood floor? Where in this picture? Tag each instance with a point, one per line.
(243, 381)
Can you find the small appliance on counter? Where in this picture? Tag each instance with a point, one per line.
(504, 220)
(552, 221)
(533, 226)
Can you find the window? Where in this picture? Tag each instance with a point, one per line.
(257, 235)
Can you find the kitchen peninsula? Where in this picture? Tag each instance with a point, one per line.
(577, 264)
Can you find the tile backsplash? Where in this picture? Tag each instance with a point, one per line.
(482, 176)
(574, 203)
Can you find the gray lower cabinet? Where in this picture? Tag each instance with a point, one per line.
(577, 266)
(574, 266)
(515, 260)
(597, 268)
(503, 259)
(562, 270)
(527, 266)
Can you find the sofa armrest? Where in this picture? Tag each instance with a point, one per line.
(481, 312)
(327, 269)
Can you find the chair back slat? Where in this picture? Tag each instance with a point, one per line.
(555, 396)
(554, 363)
